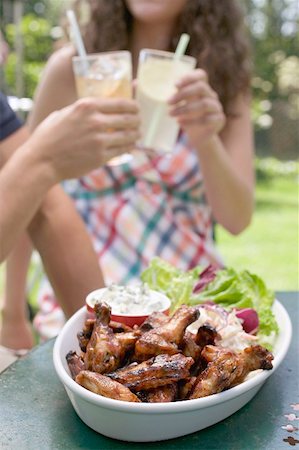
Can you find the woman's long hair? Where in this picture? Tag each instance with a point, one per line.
(218, 40)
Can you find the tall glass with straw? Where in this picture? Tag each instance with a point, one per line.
(105, 75)
(158, 73)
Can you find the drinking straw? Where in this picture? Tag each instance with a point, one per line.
(179, 52)
(182, 46)
(77, 37)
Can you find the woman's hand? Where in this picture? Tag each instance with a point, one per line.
(197, 108)
(86, 134)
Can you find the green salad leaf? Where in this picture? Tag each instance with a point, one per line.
(230, 289)
(175, 283)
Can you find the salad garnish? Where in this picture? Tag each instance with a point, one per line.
(239, 291)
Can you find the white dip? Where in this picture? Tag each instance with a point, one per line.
(135, 300)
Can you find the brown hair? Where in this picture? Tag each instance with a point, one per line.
(218, 40)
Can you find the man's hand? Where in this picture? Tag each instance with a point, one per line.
(86, 134)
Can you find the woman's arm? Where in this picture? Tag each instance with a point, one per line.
(56, 88)
(60, 237)
(227, 165)
(224, 146)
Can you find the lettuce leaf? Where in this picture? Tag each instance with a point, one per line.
(230, 289)
(175, 283)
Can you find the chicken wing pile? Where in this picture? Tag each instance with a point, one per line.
(160, 361)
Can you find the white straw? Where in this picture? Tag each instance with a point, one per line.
(151, 131)
(77, 35)
(179, 52)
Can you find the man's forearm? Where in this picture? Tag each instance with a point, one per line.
(60, 237)
(24, 181)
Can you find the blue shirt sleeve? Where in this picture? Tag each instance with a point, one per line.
(9, 122)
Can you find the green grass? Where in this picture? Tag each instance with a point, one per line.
(269, 247)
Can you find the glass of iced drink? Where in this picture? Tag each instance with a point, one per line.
(105, 75)
(158, 72)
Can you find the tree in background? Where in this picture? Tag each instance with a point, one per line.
(273, 25)
(42, 31)
(51, 10)
(37, 42)
(38, 32)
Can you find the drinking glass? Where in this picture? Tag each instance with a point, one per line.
(158, 72)
(105, 75)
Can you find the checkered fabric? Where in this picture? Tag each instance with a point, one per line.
(144, 208)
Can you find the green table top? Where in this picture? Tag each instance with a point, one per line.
(35, 412)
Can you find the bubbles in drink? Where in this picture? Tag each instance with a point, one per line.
(108, 67)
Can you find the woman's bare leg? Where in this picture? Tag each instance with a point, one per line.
(16, 331)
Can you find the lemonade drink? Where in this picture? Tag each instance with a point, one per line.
(158, 73)
(89, 86)
(105, 75)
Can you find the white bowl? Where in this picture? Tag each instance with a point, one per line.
(145, 422)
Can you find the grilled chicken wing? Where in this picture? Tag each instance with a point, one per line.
(84, 335)
(218, 375)
(253, 358)
(227, 368)
(102, 385)
(189, 346)
(127, 339)
(167, 337)
(155, 372)
(193, 344)
(162, 394)
(185, 387)
(105, 350)
(75, 363)
(118, 327)
(154, 320)
(212, 352)
(206, 335)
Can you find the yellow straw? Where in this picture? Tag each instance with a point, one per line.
(182, 46)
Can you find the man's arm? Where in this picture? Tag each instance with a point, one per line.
(60, 237)
(67, 144)
(57, 231)
(23, 184)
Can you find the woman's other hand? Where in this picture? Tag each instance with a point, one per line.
(86, 134)
(197, 108)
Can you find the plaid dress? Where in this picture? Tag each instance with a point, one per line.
(141, 209)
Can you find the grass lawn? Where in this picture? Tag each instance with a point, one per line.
(269, 247)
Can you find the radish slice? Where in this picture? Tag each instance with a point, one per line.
(205, 277)
(250, 320)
